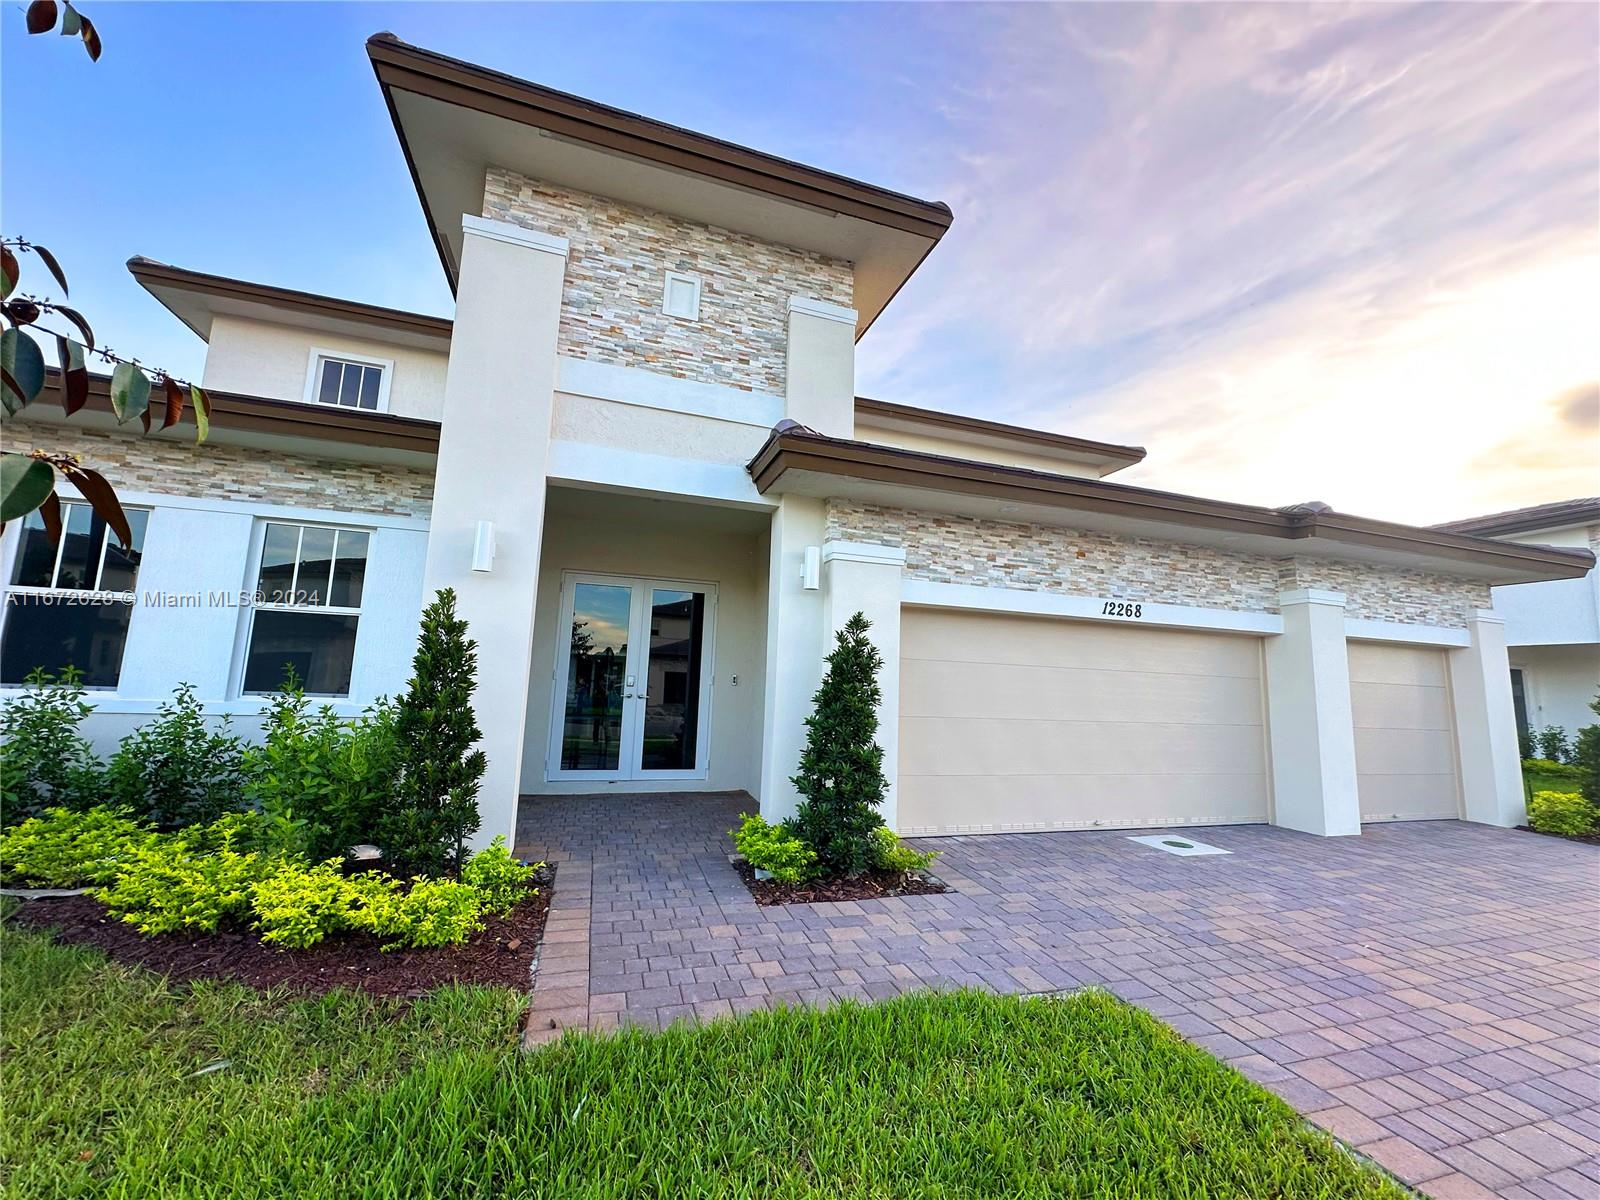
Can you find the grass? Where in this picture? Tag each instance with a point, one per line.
(1535, 781)
(958, 1095)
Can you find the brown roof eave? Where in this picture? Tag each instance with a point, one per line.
(964, 424)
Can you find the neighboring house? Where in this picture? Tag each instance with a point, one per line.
(1553, 627)
(637, 455)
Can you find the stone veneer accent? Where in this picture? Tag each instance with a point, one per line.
(616, 269)
(180, 468)
(1044, 558)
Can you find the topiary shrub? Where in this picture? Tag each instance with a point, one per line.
(1566, 813)
(62, 849)
(44, 761)
(774, 849)
(501, 880)
(434, 809)
(176, 771)
(841, 770)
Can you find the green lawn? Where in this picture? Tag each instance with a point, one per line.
(1540, 781)
(930, 1096)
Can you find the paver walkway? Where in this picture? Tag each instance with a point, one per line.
(1430, 991)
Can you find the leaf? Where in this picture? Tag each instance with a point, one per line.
(24, 483)
(23, 363)
(71, 22)
(175, 400)
(76, 318)
(202, 413)
(10, 394)
(74, 375)
(10, 272)
(130, 392)
(52, 266)
(22, 312)
(102, 499)
(41, 16)
(50, 513)
(91, 39)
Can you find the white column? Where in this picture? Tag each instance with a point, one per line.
(796, 634)
(864, 578)
(493, 448)
(820, 370)
(1309, 717)
(1486, 725)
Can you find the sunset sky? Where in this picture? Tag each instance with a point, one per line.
(1344, 253)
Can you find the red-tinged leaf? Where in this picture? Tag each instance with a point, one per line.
(10, 272)
(76, 318)
(202, 413)
(175, 400)
(102, 499)
(144, 418)
(71, 22)
(50, 514)
(24, 483)
(91, 39)
(130, 392)
(10, 393)
(41, 16)
(22, 312)
(52, 266)
(74, 375)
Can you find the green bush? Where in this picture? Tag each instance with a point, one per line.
(1566, 813)
(331, 776)
(297, 906)
(894, 855)
(434, 912)
(175, 771)
(1525, 745)
(1545, 766)
(774, 848)
(168, 885)
(500, 880)
(1554, 744)
(61, 848)
(46, 762)
(1586, 756)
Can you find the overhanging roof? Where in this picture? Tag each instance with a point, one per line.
(881, 414)
(799, 461)
(1559, 515)
(196, 299)
(454, 119)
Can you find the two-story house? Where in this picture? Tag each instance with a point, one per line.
(1552, 628)
(637, 455)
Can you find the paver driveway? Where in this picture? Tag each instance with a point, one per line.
(1430, 992)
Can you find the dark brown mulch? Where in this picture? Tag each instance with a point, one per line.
(501, 955)
(1588, 839)
(870, 885)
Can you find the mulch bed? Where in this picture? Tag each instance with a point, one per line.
(501, 955)
(871, 885)
(1588, 839)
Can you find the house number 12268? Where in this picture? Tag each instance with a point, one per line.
(1116, 608)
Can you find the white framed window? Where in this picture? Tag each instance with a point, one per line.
(309, 582)
(680, 296)
(342, 380)
(69, 602)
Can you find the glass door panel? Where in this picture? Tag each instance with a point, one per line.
(673, 680)
(597, 669)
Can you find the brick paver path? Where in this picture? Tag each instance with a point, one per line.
(1430, 992)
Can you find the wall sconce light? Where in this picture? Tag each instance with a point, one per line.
(811, 577)
(483, 548)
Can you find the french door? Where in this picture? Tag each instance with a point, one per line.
(633, 679)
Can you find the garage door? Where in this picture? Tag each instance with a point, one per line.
(1028, 723)
(1405, 740)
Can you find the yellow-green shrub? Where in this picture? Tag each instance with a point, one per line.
(891, 854)
(773, 848)
(1566, 813)
(435, 912)
(298, 906)
(500, 879)
(166, 886)
(61, 848)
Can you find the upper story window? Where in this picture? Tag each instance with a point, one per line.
(70, 601)
(349, 381)
(309, 584)
(680, 296)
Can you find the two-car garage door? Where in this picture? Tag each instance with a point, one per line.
(1028, 723)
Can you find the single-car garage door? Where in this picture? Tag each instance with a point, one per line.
(1405, 736)
(1012, 723)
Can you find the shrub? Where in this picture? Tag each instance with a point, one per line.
(435, 912)
(1525, 745)
(168, 885)
(61, 848)
(774, 848)
(894, 855)
(1544, 766)
(435, 806)
(46, 761)
(1566, 813)
(500, 879)
(175, 771)
(1554, 744)
(1586, 756)
(297, 906)
(841, 770)
(330, 776)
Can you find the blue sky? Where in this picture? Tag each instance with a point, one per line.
(1300, 252)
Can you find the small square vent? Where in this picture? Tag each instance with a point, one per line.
(680, 296)
(1175, 843)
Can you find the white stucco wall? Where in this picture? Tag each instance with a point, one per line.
(1559, 684)
(274, 361)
